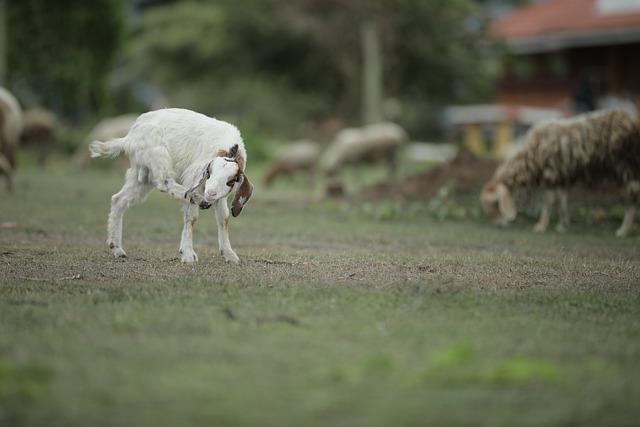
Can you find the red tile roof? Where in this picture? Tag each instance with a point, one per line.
(567, 23)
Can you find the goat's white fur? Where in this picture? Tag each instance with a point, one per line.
(180, 152)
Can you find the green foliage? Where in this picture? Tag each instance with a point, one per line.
(277, 63)
(444, 206)
(60, 53)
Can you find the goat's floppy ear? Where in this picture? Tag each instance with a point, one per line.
(242, 196)
(233, 151)
(506, 203)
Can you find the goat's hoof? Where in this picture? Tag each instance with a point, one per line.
(188, 255)
(205, 205)
(231, 258)
(119, 253)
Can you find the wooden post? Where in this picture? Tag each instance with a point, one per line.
(504, 139)
(474, 139)
(371, 74)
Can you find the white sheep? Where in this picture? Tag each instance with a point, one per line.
(180, 152)
(300, 156)
(380, 142)
(11, 125)
(558, 153)
(106, 129)
(39, 130)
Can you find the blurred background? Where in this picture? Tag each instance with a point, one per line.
(472, 73)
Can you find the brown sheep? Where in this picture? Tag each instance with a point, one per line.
(558, 153)
(300, 156)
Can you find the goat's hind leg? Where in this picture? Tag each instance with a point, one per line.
(133, 191)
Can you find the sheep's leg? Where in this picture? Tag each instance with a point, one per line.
(547, 204)
(627, 221)
(222, 219)
(563, 211)
(186, 242)
(632, 195)
(132, 192)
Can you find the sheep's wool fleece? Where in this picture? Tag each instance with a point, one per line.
(594, 146)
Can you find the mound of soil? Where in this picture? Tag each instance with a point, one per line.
(469, 172)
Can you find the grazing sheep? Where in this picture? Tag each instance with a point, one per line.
(39, 127)
(379, 142)
(301, 156)
(559, 153)
(106, 129)
(11, 125)
(182, 153)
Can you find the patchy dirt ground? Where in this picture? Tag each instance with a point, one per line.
(469, 172)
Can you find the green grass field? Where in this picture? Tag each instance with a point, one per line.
(335, 317)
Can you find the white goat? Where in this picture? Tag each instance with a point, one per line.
(558, 153)
(180, 152)
(11, 125)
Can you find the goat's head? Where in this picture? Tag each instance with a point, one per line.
(222, 175)
(498, 203)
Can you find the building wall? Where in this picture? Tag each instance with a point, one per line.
(558, 79)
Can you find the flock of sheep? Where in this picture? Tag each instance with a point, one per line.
(201, 161)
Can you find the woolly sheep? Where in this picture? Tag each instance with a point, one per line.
(106, 129)
(11, 125)
(300, 156)
(559, 153)
(373, 143)
(39, 129)
(182, 153)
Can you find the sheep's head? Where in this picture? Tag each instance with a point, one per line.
(498, 203)
(222, 175)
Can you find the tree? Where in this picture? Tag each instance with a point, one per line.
(304, 58)
(60, 54)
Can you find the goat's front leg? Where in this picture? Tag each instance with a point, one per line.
(222, 219)
(168, 185)
(186, 242)
(545, 214)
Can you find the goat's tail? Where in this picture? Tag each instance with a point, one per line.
(111, 148)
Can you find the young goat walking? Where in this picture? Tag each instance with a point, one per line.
(182, 153)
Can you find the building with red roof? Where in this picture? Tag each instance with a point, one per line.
(571, 54)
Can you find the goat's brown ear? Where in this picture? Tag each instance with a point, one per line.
(242, 196)
(233, 151)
